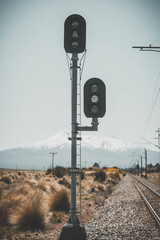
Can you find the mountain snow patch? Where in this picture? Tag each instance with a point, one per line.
(60, 140)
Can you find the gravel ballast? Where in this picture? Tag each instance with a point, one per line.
(123, 216)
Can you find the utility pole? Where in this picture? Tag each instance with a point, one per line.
(138, 167)
(141, 166)
(158, 131)
(138, 162)
(53, 153)
(145, 163)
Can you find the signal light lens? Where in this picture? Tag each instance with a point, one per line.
(74, 34)
(75, 24)
(74, 44)
(94, 98)
(94, 88)
(94, 109)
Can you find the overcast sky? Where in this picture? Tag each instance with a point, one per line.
(35, 95)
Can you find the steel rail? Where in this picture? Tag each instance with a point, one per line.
(156, 193)
(157, 218)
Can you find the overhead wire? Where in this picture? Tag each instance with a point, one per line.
(153, 103)
(155, 87)
(155, 41)
(152, 110)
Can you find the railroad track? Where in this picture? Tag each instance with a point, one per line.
(150, 197)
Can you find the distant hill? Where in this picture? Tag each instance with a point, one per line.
(107, 151)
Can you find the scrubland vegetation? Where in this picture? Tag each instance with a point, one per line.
(31, 201)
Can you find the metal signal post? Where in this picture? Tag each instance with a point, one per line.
(74, 43)
(74, 219)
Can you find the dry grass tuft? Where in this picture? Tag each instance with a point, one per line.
(44, 185)
(31, 182)
(59, 201)
(31, 215)
(23, 189)
(4, 213)
(8, 205)
(58, 217)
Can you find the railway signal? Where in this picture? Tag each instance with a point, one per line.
(75, 43)
(94, 98)
(75, 34)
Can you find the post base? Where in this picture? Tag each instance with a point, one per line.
(73, 232)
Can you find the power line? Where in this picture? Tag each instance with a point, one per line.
(155, 49)
(155, 86)
(152, 103)
(150, 142)
(152, 110)
(155, 41)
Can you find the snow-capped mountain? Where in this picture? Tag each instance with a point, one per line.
(109, 151)
(88, 141)
(58, 140)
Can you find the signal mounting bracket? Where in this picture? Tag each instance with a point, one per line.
(94, 126)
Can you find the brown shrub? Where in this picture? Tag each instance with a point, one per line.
(13, 176)
(115, 176)
(49, 171)
(24, 174)
(123, 172)
(6, 179)
(65, 183)
(99, 199)
(82, 175)
(101, 188)
(108, 191)
(59, 201)
(92, 189)
(100, 176)
(37, 177)
(19, 173)
(60, 172)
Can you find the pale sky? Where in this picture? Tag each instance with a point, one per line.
(35, 94)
